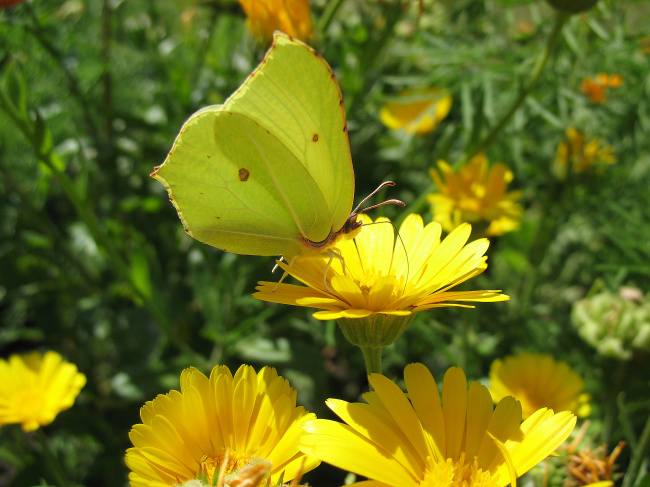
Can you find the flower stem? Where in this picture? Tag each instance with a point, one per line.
(372, 357)
(639, 456)
(371, 54)
(51, 462)
(560, 19)
(328, 15)
(38, 31)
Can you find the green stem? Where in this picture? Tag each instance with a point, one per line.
(639, 456)
(203, 50)
(372, 357)
(560, 19)
(328, 15)
(51, 461)
(73, 84)
(372, 52)
(46, 225)
(107, 81)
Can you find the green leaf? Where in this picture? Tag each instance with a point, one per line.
(16, 89)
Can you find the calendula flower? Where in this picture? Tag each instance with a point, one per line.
(385, 281)
(417, 440)
(292, 17)
(222, 427)
(416, 111)
(475, 194)
(577, 154)
(36, 387)
(596, 89)
(538, 381)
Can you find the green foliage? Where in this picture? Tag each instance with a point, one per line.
(94, 262)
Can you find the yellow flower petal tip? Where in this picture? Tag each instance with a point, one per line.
(416, 111)
(241, 430)
(36, 387)
(539, 381)
(380, 284)
(427, 439)
(293, 17)
(476, 194)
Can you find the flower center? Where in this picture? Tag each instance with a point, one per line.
(226, 464)
(458, 474)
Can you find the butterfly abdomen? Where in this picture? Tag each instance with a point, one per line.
(350, 229)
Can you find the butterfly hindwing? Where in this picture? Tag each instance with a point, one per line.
(236, 187)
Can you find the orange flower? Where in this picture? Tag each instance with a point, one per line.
(292, 17)
(596, 89)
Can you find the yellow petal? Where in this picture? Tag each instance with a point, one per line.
(340, 445)
(454, 408)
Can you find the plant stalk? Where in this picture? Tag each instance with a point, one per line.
(638, 457)
(372, 358)
(51, 461)
(552, 40)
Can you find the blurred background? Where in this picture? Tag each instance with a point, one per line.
(94, 262)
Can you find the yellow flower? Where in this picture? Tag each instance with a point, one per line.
(416, 111)
(219, 424)
(539, 381)
(416, 440)
(292, 17)
(596, 90)
(580, 155)
(35, 388)
(475, 194)
(379, 283)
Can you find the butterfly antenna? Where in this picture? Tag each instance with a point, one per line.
(381, 186)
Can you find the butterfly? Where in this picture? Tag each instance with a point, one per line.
(268, 172)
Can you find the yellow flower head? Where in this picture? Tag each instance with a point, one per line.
(416, 111)
(539, 381)
(220, 427)
(596, 90)
(475, 194)
(35, 388)
(379, 281)
(579, 155)
(417, 440)
(292, 17)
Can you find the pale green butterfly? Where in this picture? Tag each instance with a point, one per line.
(269, 172)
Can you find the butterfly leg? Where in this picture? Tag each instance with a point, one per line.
(332, 253)
(285, 272)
